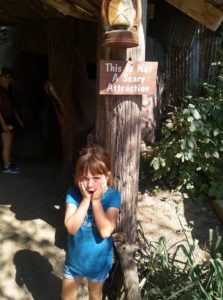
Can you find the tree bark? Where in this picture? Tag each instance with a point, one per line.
(128, 267)
(62, 55)
(118, 129)
(68, 85)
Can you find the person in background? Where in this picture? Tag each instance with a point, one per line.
(92, 208)
(8, 119)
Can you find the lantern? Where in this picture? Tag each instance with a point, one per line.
(121, 19)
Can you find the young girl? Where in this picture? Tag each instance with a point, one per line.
(92, 208)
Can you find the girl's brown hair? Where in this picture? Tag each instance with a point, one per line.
(94, 159)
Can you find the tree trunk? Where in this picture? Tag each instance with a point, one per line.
(68, 86)
(122, 139)
(118, 129)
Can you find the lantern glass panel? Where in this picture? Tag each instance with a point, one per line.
(121, 14)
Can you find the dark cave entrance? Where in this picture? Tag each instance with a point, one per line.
(40, 136)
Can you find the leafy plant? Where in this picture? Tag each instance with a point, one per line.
(191, 148)
(163, 277)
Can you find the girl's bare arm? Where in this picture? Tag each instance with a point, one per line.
(74, 216)
(105, 221)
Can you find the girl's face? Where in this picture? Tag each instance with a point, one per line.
(92, 182)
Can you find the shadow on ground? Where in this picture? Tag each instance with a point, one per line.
(32, 232)
(35, 272)
(37, 192)
(201, 218)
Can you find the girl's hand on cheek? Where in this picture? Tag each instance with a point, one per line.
(99, 191)
(83, 191)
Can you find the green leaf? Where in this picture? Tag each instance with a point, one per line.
(196, 114)
(188, 97)
(207, 154)
(216, 132)
(183, 145)
(179, 155)
(155, 163)
(190, 144)
(185, 111)
(163, 162)
(192, 127)
(216, 154)
(190, 119)
(169, 125)
(191, 105)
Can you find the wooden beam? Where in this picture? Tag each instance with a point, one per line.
(68, 9)
(200, 10)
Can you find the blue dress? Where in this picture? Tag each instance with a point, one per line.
(88, 254)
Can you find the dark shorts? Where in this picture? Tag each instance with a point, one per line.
(9, 122)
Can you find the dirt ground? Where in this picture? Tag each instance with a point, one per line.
(32, 253)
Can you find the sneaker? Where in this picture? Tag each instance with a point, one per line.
(14, 166)
(10, 170)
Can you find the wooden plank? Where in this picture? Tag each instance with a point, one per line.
(68, 9)
(201, 11)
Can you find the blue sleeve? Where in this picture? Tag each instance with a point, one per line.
(73, 196)
(115, 199)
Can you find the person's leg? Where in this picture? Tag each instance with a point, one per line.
(95, 290)
(7, 138)
(70, 288)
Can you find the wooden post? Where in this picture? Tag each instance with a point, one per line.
(118, 129)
